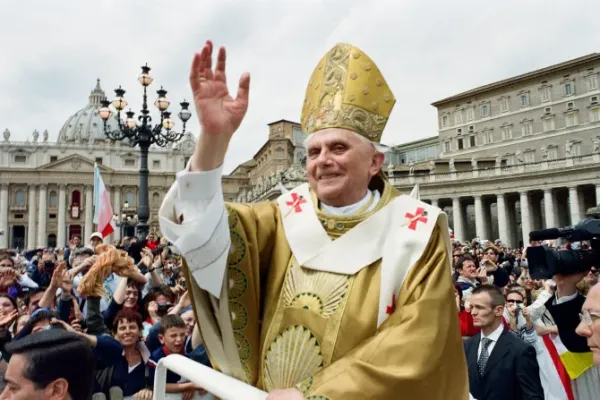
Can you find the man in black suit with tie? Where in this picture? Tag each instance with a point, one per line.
(501, 366)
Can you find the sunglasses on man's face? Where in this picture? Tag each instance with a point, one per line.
(514, 301)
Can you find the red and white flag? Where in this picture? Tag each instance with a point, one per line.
(103, 212)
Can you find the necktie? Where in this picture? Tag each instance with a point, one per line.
(483, 357)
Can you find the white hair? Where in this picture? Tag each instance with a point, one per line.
(380, 148)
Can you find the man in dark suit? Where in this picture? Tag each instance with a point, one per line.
(501, 366)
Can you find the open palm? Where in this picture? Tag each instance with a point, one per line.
(219, 113)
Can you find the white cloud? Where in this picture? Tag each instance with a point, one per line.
(52, 52)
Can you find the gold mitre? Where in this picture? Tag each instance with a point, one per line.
(347, 90)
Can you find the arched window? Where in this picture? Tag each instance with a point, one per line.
(156, 199)
(20, 197)
(53, 199)
(76, 197)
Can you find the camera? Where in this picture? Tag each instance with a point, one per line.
(163, 308)
(545, 262)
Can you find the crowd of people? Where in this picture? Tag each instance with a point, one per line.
(128, 301)
(495, 293)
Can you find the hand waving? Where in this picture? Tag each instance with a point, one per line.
(218, 112)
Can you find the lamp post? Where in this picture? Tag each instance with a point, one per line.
(144, 134)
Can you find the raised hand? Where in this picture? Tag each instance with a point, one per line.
(8, 276)
(218, 112)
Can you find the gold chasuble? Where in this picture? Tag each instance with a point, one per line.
(346, 307)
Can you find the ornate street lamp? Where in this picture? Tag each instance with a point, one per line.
(144, 134)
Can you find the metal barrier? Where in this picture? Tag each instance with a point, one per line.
(220, 385)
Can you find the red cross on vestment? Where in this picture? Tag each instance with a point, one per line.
(390, 309)
(418, 216)
(296, 201)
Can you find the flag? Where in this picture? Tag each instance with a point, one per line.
(103, 212)
(415, 193)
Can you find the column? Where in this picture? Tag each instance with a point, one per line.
(597, 194)
(31, 211)
(574, 205)
(117, 210)
(549, 208)
(4, 216)
(61, 239)
(480, 227)
(42, 238)
(525, 217)
(502, 220)
(457, 217)
(435, 202)
(89, 213)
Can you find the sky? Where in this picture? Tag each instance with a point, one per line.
(52, 52)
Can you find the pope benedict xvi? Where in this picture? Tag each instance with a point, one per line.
(340, 289)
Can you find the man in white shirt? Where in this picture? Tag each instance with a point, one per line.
(501, 366)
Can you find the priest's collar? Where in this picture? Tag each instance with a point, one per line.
(366, 204)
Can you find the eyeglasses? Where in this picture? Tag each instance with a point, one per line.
(515, 301)
(588, 317)
(491, 253)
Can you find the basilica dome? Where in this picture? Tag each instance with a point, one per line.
(86, 125)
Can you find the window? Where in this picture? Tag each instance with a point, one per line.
(53, 158)
(510, 159)
(470, 114)
(571, 119)
(488, 136)
(444, 121)
(20, 198)
(459, 144)
(546, 94)
(576, 149)
(507, 133)
(548, 110)
(129, 162)
(298, 136)
(526, 128)
(447, 146)
(76, 197)
(595, 115)
(21, 159)
(548, 124)
(156, 199)
(53, 199)
(552, 153)
(529, 157)
(594, 99)
(472, 141)
(504, 104)
(129, 198)
(524, 99)
(569, 89)
(156, 164)
(570, 105)
(99, 160)
(279, 153)
(458, 117)
(52, 216)
(485, 110)
(592, 82)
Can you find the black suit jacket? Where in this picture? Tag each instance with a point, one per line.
(511, 373)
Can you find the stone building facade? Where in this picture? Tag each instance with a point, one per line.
(510, 157)
(46, 187)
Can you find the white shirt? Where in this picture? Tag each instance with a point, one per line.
(494, 336)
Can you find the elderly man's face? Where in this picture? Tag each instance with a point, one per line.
(592, 331)
(340, 166)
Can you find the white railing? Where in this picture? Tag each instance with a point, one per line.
(214, 382)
